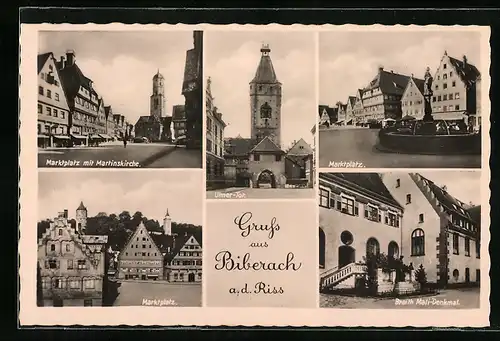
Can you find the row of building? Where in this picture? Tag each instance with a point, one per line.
(70, 111)
(259, 160)
(456, 87)
(397, 214)
(74, 267)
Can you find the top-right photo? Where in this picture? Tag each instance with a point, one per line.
(400, 99)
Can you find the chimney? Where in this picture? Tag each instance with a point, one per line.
(61, 63)
(392, 71)
(66, 213)
(465, 60)
(380, 68)
(70, 56)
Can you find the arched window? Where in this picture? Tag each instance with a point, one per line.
(455, 274)
(265, 110)
(372, 247)
(418, 242)
(393, 250)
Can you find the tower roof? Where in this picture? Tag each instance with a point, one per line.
(265, 71)
(158, 75)
(81, 207)
(167, 215)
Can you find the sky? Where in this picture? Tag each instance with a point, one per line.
(463, 185)
(150, 192)
(349, 60)
(231, 60)
(122, 64)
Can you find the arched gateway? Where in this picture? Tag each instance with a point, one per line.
(265, 179)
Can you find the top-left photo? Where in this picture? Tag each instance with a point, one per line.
(120, 99)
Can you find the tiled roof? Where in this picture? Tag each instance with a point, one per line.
(266, 145)
(296, 150)
(162, 241)
(178, 112)
(166, 120)
(192, 67)
(447, 200)
(148, 120)
(389, 82)
(81, 206)
(351, 100)
(467, 72)
(107, 109)
(265, 71)
(369, 184)
(475, 214)
(420, 84)
(180, 241)
(42, 59)
(73, 75)
(238, 145)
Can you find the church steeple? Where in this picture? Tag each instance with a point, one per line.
(157, 100)
(265, 71)
(167, 224)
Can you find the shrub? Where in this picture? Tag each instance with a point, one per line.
(421, 276)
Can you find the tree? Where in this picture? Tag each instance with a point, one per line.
(421, 276)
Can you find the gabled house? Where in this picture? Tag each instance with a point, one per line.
(413, 101)
(184, 263)
(299, 164)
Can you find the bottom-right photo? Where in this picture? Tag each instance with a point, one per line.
(400, 240)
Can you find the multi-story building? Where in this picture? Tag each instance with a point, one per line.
(192, 91)
(341, 113)
(454, 89)
(382, 97)
(438, 232)
(121, 126)
(101, 119)
(53, 109)
(179, 121)
(413, 101)
(350, 109)
(184, 264)
(299, 164)
(358, 107)
(83, 101)
(475, 119)
(215, 138)
(398, 214)
(72, 265)
(324, 116)
(110, 123)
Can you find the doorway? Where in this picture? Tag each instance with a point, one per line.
(191, 277)
(266, 179)
(346, 255)
(467, 275)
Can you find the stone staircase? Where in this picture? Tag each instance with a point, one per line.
(335, 277)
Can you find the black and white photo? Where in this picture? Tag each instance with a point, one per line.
(400, 99)
(260, 114)
(400, 240)
(122, 238)
(120, 99)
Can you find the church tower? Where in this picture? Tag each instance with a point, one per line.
(167, 224)
(81, 218)
(265, 100)
(158, 105)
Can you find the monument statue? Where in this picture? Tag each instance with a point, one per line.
(427, 96)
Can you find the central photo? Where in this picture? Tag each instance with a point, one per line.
(260, 114)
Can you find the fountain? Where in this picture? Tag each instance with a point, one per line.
(428, 135)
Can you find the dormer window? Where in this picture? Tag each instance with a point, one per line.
(398, 183)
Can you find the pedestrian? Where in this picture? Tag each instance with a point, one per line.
(124, 143)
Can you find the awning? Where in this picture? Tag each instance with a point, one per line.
(96, 137)
(41, 136)
(104, 136)
(340, 121)
(349, 121)
(62, 137)
(81, 137)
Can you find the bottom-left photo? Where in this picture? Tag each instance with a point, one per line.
(120, 238)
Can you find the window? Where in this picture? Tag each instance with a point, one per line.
(87, 303)
(408, 199)
(392, 219)
(56, 96)
(439, 98)
(40, 90)
(453, 83)
(421, 218)
(49, 94)
(40, 109)
(372, 247)
(49, 112)
(398, 183)
(456, 274)
(81, 264)
(60, 232)
(68, 248)
(456, 239)
(444, 66)
(347, 205)
(143, 246)
(52, 247)
(445, 86)
(457, 95)
(445, 76)
(256, 157)
(445, 97)
(478, 249)
(278, 158)
(89, 283)
(372, 213)
(467, 247)
(418, 243)
(324, 197)
(69, 264)
(52, 264)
